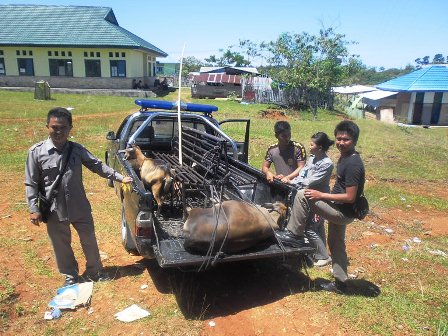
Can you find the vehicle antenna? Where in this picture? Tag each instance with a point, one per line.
(178, 106)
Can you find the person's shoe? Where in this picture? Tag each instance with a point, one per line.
(290, 239)
(335, 286)
(322, 262)
(99, 277)
(70, 280)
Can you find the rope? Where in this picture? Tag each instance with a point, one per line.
(269, 220)
(216, 213)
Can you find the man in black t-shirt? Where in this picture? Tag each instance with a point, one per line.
(336, 207)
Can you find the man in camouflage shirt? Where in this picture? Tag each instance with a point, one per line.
(288, 156)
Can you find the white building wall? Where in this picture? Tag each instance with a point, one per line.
(136, 67)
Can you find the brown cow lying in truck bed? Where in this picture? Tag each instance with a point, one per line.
(240, 224)
(157, 177)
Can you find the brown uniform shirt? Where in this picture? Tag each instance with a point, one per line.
(43, 165)
(285, 160)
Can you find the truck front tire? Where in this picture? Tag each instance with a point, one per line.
(126, 239)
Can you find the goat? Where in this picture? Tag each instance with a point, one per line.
(157, 177)
(239, 226)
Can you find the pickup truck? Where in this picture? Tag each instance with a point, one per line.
(209, 167)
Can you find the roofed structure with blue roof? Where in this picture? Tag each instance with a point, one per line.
(430, 78)
(422, 96)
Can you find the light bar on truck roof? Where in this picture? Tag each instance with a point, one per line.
(166, 105)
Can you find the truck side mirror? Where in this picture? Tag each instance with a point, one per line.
(111, 135)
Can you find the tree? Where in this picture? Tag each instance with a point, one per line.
(438, 59)
(250, 49)
(422, 61)
(354, 72)
(215, 61)
(191, 64)
(228, 58)
(310, 63)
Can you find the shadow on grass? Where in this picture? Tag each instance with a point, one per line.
(161, 92)
(357, 287)
(116, 273)
(233, 287)
(229, 288)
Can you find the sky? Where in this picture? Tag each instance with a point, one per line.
(388, 33)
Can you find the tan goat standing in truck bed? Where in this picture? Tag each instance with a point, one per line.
(157, 177)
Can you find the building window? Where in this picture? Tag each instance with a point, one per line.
(2, 67)
(61, 67)
(118, 68)
(23, 52)
(98, 54)
(62, 53)
(86, 54)
(56, 53)
(123, 54)
(26, 66)
(1, 52)
(111, 54)
(69, 54)
(93, 68)
(117, 54)
(92, 54)
(30, 52)
(18, 52)
(49, 52)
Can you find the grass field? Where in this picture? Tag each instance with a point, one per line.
(407, 170)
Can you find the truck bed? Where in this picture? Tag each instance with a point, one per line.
(171, 253)
(207, 176)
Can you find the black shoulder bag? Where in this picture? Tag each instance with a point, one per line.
(361, 207)
(45, 203)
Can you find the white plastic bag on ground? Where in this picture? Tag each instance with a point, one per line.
(73, 296)
(131, 313)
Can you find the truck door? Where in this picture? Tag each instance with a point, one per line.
(239, 130)
(114, 144)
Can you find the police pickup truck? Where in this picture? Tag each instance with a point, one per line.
(208, 166)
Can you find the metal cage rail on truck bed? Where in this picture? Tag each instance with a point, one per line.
(205, 168)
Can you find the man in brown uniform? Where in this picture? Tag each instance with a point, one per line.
(288, 156)
(45, 161)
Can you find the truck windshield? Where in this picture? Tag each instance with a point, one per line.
(161, 130)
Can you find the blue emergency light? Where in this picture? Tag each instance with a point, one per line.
(166, 105)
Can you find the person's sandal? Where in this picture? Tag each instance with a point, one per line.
(337, 287)
(99, 277)
(322, 262)
(290, 239)
(70, 280)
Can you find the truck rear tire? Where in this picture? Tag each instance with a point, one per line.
(126, 239)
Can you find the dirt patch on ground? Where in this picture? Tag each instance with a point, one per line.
(274, 114)
(250, 298)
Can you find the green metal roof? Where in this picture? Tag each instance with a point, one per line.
(68, 26)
